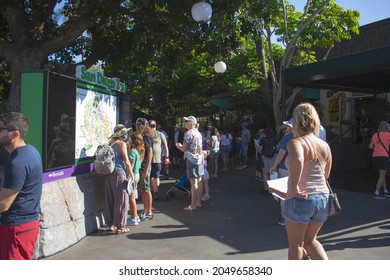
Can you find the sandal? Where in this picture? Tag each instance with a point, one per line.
(189, 208)
(112, 228)
(122, 230)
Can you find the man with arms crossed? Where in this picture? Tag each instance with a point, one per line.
(21, 194)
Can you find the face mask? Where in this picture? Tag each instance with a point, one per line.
(126, 137)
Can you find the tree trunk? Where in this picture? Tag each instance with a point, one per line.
(22, 62)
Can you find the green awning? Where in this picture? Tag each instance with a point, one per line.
(223, 100)
(366, 72)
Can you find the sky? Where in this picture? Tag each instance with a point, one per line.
(370, 10)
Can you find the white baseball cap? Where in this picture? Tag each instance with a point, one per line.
(191, 119)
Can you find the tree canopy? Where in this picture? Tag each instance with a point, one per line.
(134, 40)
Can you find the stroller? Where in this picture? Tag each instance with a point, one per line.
(180, 185)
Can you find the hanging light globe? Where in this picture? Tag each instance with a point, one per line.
(201, 12)
(220, 67)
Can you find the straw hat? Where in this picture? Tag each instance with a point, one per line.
(119, 131)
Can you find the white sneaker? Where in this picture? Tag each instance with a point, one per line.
(206, 197)
(133, 222)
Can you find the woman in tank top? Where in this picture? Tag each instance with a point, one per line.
(116, 183)
(306, 206)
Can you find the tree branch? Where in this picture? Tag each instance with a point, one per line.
(289, 52)
(18, 23)
(76, 25)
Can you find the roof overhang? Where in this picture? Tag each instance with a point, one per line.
(366, 72)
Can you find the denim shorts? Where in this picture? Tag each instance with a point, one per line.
(314, 208)
(193, 170)
(225, 149)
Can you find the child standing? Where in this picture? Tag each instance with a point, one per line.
(205, 177)
(136, 152)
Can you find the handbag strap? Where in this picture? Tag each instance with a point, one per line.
(307, 140)
(379, 138)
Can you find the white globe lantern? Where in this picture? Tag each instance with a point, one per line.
(220, 67)
(201, 12)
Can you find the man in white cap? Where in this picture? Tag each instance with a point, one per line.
(192, 148)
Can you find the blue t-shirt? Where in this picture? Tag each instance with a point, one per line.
(24, 174)
(283, 145)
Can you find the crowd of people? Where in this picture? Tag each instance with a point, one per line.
(297, 149)
(204, 150)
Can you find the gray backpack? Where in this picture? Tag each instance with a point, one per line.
(104, 160)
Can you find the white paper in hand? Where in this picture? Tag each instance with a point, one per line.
(278, 186)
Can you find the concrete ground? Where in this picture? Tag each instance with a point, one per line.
(240, 223)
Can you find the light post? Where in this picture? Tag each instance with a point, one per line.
(201, 12)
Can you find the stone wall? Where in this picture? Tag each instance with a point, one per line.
(71, 209)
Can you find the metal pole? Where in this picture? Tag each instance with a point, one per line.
(340, 120)
(283, 94)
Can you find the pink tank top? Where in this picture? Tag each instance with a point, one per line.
(312, 179)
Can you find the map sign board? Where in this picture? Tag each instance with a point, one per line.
(96, 116)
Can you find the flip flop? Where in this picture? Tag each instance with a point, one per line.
(189, 208)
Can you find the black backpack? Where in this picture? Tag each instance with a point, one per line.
(269, 149)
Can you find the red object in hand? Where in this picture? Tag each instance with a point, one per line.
(166, 160)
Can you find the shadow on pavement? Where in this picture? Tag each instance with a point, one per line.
(239, 222)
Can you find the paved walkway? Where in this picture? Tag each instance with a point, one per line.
(239, 222)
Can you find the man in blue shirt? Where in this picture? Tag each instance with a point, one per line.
(280, 161)
(21, 194)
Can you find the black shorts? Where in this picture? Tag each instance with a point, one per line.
(156, 170)
(380, 163)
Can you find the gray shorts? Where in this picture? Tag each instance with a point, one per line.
(193, 170)
(268, 162)
(244, 150)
